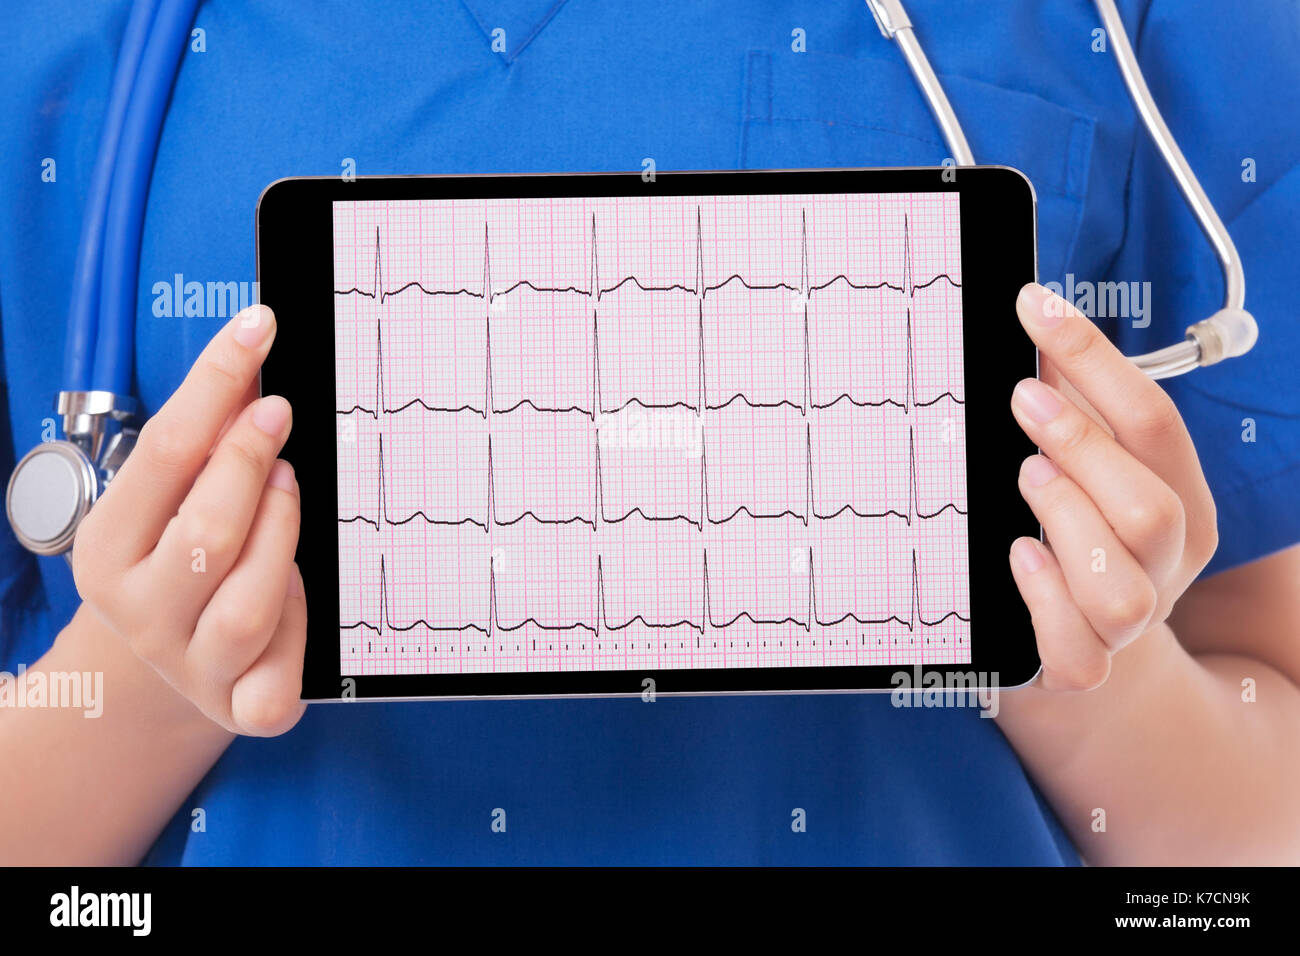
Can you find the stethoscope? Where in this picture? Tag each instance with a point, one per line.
(55, 484)
(1228, 333)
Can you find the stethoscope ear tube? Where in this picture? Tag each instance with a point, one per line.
(1228, 333)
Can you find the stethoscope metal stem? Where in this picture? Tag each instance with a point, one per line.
(1234, 277)
(1229, 332)
(895, 25)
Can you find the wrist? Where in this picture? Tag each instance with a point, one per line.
(1138, 675)
(131, 686)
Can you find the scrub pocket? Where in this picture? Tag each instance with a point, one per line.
(815, 110)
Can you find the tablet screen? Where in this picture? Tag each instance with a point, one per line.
(672, 432)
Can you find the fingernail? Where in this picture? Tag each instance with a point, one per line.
(281, 475)
(271, 414)
(251, 325)
(1038, 471)
(1027, 554)
(1043, 307)
(1038, 400)
(295, 582)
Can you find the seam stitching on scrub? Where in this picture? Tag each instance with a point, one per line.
(899, 133)
(1079, 154)
(1228, 403)
(755, 60)
(1136, 43)
(537, 28)
(1260, 479)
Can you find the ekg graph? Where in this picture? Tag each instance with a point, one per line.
(650, 433)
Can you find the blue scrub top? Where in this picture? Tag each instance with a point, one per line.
(295, 89)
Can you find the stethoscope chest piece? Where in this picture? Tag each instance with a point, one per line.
(56, 483)
(49, 493)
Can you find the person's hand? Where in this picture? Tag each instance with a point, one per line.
(189, 554)
(1118, 489)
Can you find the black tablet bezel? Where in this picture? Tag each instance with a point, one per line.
(295, 273)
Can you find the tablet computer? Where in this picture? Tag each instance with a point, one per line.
(615, 434)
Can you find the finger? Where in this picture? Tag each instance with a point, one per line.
(266, 700)
(207, 534)
(174, 445)
(251, 394)
(1144, 511)
(1140, 413)
(236, 625)
(1074, 657)
(1106, 581)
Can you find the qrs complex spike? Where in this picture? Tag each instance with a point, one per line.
(700, 290)
(707, 621)
(702, 517)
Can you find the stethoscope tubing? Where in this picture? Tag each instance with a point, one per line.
(1232, 330)
(83, 311)
(124, 220)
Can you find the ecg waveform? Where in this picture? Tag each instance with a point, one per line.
(699, 291)
(707, 620)
(810, 346)
(704, 516)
